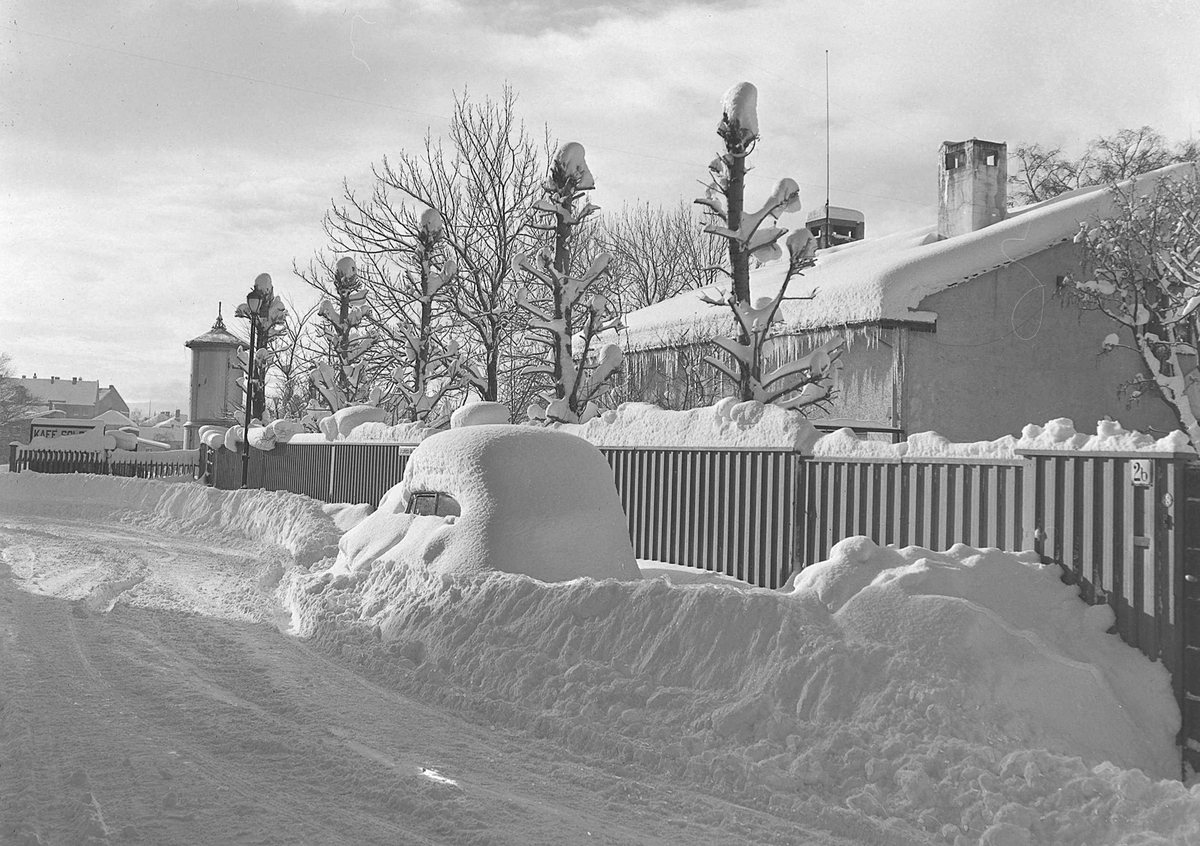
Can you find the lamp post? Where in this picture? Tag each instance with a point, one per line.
(257, 302)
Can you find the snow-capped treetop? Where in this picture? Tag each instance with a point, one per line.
(346, 267)
(739, 108)
(570, 161)
(263, 283)
(432, 223)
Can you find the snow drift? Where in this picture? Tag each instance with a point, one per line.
(299, 525)
(966, 694)
(958, 697)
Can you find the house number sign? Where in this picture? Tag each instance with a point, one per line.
(1141, 472)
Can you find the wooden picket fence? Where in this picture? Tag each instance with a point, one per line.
(101, 463)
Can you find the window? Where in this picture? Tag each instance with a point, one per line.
(954, 160)
(433, 504)
(989, 158)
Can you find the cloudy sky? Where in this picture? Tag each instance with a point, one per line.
(157, 156)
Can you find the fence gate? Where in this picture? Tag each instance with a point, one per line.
(1189, 612)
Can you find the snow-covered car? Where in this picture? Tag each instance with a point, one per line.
(518, 499)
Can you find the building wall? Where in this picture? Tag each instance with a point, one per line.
(110, 399)
(1009, 349)
(679, 378)
(214, 393)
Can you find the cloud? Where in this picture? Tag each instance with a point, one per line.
(158, 157)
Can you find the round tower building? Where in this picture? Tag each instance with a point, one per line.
(214, 394)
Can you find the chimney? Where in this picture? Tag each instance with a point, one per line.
(74, 380)
(972, 185)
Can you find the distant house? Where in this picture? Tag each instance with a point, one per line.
(72, 399)
(953, 327)
(75, 397)
(109, 399)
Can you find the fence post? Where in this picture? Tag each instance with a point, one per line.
(14, 448)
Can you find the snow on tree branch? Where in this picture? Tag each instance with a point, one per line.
(747, 235)
(569, 316)
(1140, 266)
(340, 381)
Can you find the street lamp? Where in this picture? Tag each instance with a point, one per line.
(257, 304)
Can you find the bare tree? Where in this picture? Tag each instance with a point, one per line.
(291, 359)
(16, 403)
(1042, 173)
(1117, 157)
(656, 253)
(483, 182)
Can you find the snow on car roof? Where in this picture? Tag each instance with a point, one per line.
(534, 501)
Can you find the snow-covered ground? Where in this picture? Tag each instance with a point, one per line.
(185, 665)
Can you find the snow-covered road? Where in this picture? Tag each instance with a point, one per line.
(181, 665)
(147, 693)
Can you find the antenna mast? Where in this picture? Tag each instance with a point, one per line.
(826, 238)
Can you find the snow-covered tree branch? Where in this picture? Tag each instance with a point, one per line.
(429, 368)
(568, 317)
(340, 380)
(1141, 268)
(752, 235)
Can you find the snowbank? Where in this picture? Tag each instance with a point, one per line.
(967, 696)
(296, 523)
(729, 424)
(895, 696)
(1058, 434)
(525, 500)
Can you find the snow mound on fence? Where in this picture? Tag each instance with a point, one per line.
(404, 433)
(968, 693)
(1058, 434)
(1110, 437)
(371, 432)
(301, 526)
(727, 424)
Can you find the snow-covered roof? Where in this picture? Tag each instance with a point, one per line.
(114, 416)
(62, 391)
(883, 279)
(218, 336)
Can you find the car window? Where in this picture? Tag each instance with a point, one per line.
(433, 504)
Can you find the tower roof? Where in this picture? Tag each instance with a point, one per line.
(217, 336)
